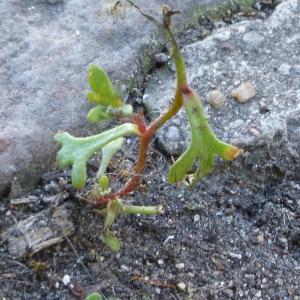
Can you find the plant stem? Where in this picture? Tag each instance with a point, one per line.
(148, 131)
(143, 210)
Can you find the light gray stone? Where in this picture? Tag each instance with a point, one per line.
(45, 53)
(253, 40)
(172, 134)
(216, 99)
(284, 69)
(161, 58)
(272, 132)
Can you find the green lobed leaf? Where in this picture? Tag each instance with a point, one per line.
(102, 113)
(182, 165)
(204, 145)
(94, 296)
(75, 152)
(108, 151)
(103, 91)
(98, 114)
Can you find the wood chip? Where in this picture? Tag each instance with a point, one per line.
(39, 231)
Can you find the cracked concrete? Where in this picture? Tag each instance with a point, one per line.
(45, 51)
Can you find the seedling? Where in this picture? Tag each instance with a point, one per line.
(75, 152)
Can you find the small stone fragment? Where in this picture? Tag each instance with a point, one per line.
(263, 107)
(216, 99)
(236, 124)
(66, 279)
(172, 135)
(52, 187)
(260, 238)
(223, 36)
(196, 218)
(229, 293)
(284, 69)
(179, 266)
(244, 92)
(255, 132)
(181, 286)
(253, 40)
(161, 58)
(296, 69)
(235, 255)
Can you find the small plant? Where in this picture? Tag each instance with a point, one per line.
(75, 152)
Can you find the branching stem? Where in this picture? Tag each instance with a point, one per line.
(147, 132)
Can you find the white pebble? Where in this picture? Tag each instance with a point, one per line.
(179, 266)
(284, 69)
(181, 286)
(196, 218)
(66, 279)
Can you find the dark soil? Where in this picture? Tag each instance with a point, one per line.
(235, 236)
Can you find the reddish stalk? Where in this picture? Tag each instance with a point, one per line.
(147, 132)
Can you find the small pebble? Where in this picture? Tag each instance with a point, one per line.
(143, 100)
(160, 261)
(216, 99)
(258, 294)
(56, 284)
(52, 187)
(161, 58)
(196, 218)
(223, 36)
(284, 69)
(296, 69)
(181, 286)
(236, 124)
(172, 134)
(263, 107)
(244, 92)
(235, 255)
(179, 266)
(253, 40)
(229, 293)
(66, 279)
(77, 32)
(125, 268)
(255, 132)
(260, 238)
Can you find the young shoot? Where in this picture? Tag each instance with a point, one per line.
(75, 152)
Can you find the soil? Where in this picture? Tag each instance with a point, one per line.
(235, 236)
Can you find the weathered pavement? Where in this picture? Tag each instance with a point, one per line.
(264, 53)
(46, 47)
(267, 126)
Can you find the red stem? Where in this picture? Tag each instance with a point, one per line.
(147, 132)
